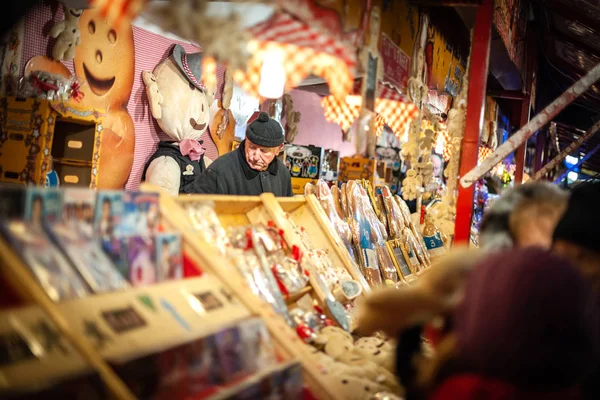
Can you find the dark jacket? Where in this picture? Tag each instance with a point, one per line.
(231, 174)
(190, 170)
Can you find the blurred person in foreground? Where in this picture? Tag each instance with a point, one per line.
(577, 238)
(523, 216)
(512, 337)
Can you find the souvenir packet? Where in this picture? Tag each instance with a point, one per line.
(203, 364)
(42, 204)
(289, 275)
(231, 353)
(46, 262)
(258, 350)
(115, 249)
(364, 234)
(253, 245)
(189, 371)
(78, 210)
(393, 212)
(206, 223)
(142, 261)
(169, 259)
(108, 213)
(289, 382)
(433, 239)
(12, 202)
(140, 213)
(88, 257)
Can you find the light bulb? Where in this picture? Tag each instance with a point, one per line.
(571, 160)
(272, 76)
(353, 100)
(572, 176)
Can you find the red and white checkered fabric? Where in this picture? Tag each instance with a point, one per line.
(390, 107)
(306, 51)
(284, 28)
(339, 112)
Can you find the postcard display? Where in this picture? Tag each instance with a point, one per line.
(305, 164)
(108, 314)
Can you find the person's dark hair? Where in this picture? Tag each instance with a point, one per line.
(580, 223)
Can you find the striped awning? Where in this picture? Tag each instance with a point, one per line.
(390, 106)
(306, 51)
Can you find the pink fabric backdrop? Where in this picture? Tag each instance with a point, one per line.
(314, 129)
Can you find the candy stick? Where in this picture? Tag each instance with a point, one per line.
(568, 150)
(532, 126)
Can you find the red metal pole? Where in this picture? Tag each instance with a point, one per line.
(478, 72)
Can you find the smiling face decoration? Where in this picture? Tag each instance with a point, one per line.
(177, 97)
(105, 61)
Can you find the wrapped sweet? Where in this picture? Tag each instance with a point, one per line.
(48, 86)
(433, 238)
(206, 224)
(369, 235)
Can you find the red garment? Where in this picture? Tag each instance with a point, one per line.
(471, 387)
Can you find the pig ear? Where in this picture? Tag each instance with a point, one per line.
(154, 97)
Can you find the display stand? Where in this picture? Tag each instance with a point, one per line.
(234, 212)
(111, 329)
(17, 273)
(306, 211)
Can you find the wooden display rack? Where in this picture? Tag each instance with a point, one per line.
(156, 329)
(234, 212)
(85, 324)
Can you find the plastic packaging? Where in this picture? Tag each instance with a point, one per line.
(433, 238)
(369, 234)
(206, 223)
(395, 217)
(341, 227)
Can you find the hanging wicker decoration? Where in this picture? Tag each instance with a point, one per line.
(390, 107)
(305, 51)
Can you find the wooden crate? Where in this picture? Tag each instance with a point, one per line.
(235, 211)
(298, 184)
(308, 213)
(36, 133)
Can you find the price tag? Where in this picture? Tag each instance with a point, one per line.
(14, 348)
(370, 257)
(123, 320)
(434, 244)
(209, 301)
(399, 255)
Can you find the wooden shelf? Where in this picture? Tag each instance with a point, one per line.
(294, 297)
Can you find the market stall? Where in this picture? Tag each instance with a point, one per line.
(242, 264)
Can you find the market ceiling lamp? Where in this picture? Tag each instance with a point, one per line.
(272, 76)
(306, 51)
(390, 107)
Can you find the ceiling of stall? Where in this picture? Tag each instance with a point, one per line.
(570, 43)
